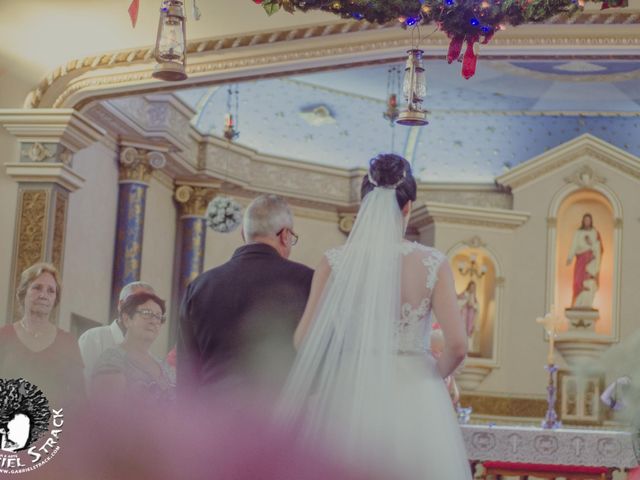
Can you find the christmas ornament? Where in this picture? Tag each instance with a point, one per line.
(471, 21)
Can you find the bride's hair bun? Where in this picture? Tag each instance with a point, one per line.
(387, 169)
(392, 171)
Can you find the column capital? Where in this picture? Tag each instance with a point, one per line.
(193, 200)
(137, 164)
(64, 126)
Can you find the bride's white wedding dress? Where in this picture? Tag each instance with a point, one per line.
(427, 435)
(364, 382)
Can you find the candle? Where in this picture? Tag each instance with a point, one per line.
(551, 322)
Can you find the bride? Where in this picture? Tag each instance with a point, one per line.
(364, 382)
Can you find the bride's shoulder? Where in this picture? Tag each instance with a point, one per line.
(333, 256)
(423, 250)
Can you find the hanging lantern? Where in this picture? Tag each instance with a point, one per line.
(393, 87)
(230, 131)
(170, 51)
(414, 90)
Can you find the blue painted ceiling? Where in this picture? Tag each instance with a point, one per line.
(509, 112)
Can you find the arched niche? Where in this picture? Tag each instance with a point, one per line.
(473, 262)
(587, 195)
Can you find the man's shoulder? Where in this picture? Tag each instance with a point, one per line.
(93, 334)
(302, 268)
(209, 275)
(295, 271)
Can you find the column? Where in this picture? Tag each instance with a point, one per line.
(48, 140)
(136, 165)
(192, 202)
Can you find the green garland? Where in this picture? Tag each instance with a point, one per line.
(457, 18)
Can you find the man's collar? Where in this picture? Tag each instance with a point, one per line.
(253, 248)
(116, 331)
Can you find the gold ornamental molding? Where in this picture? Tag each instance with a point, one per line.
(32, 224)
(40, 231)
(503, 406)
(193, 200)
(37, 152)
(321, 46)
(440, 213)
(137, 164)
(584, 146)
(475, 242)
(585, 177)
(59, 229)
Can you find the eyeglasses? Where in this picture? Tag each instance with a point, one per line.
(148, 315)
(294, 237)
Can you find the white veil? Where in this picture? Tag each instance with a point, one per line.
(340, 388)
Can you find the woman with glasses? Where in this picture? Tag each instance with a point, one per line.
(130, 368)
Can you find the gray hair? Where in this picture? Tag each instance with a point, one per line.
(266, 215)
(129, 288)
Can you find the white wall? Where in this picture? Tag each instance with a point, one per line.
(158, 250)
(89, 245)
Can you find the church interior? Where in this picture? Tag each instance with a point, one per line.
(112, 160)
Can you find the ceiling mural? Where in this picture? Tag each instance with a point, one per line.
(508, 113)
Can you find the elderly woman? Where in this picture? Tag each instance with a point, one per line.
(130, 368)
(35, 349)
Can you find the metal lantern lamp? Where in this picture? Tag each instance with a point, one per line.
(393, 89)
(414, 89)
(231, 119)
(170, 51)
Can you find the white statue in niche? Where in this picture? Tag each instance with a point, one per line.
(469, 307)
(587, 249)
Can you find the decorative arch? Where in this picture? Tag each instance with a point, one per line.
(289, 50)
(586, 190)
(483, 346)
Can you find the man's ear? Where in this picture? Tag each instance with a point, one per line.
(126, 320)
(242, 234)
(283, 238)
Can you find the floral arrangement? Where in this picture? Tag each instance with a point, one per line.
(473, 21)
(224, 214)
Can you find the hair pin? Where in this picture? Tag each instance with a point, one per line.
(395, 185)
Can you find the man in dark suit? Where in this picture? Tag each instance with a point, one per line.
(237, 320)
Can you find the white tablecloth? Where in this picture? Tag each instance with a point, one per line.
(564, 446)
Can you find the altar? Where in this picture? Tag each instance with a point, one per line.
(565, 451)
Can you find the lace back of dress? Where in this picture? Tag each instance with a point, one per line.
(419, 274)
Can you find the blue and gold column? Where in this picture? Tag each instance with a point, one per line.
(192, 202)
(136, 166)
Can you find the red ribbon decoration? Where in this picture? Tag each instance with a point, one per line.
(133, 12)
(455, 47)
(470, 58)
